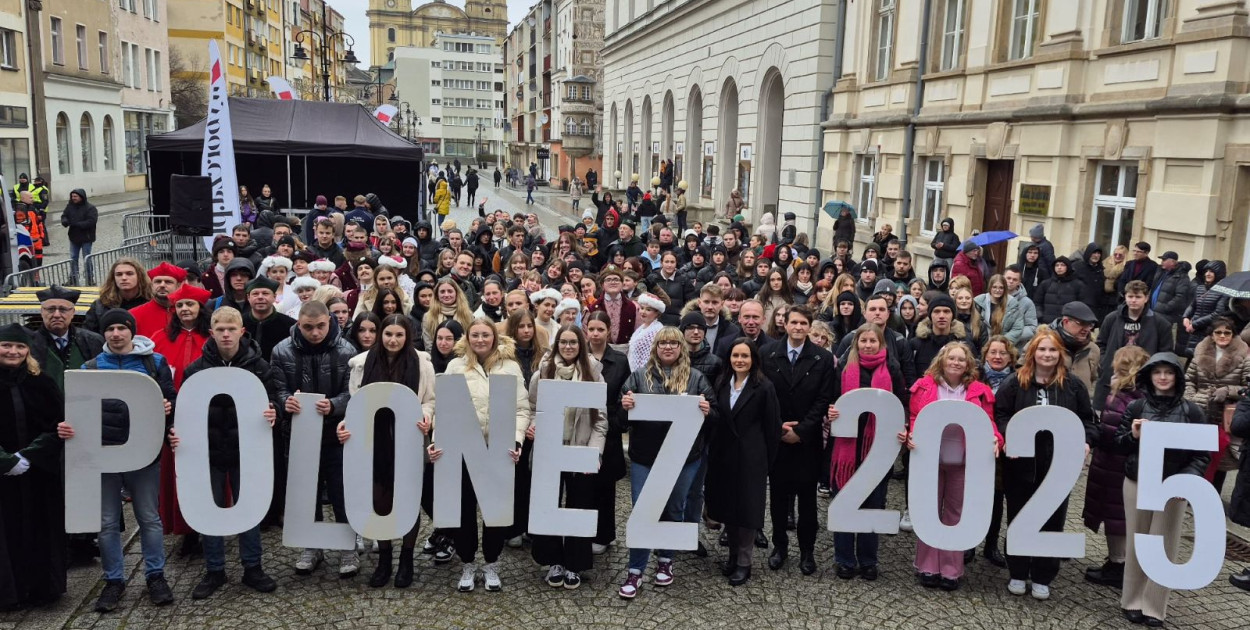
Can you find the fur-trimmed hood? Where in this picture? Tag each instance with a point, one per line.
(924, 329)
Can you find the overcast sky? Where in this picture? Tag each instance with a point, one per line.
(358, 24)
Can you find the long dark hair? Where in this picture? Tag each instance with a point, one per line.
(366, 316)
(583, 353)
(727, 375)
(203, 323)
(380, 297)
(381, 367)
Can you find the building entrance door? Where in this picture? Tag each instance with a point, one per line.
(997, 215)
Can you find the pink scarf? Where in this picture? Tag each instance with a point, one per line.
(843, 464)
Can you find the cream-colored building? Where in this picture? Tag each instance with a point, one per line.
(577, 88)
(395, 24)
(142, 33)
(1112, 121)
(16, 132)
(734, 95)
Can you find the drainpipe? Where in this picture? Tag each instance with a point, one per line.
(838, 38)
(909, 136)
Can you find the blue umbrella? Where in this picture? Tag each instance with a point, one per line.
(985, 239)
(834, 208)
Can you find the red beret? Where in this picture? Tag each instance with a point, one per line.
(189, 292)
(166, 269)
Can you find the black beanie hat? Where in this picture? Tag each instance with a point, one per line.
(117, 316)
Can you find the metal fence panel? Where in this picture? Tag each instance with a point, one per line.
(55, 273)
(137, 226)
(152, 250)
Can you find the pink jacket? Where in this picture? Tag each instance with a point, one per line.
(964, 266)
(925, 391)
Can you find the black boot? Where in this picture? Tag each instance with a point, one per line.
(403, 575)
(209, 584)
(1109, 574)
(739, 576)
(382, 572)
(191, 546)
(1241, 580)
(256, 579)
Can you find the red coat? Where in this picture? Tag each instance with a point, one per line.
(925, 391)
(970, 269)
(179, 354)
(150, 321)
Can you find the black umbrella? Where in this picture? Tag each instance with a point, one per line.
(1236, 285)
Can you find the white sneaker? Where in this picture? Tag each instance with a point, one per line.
(597, 549)
(349, 564)
(308, 561)
(490, 575)
(468, 577)
(1017, 587)
(360, 544)
(1040, 592)
(555, 576)
(515, 543)
(904, 523)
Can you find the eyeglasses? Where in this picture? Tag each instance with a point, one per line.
(57, 309)
(668, 344)
(1223, 333)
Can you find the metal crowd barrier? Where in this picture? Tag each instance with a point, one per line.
(55, 273)
(140, 226)
(151, 250)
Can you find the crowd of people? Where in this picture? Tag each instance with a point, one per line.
(763, 328)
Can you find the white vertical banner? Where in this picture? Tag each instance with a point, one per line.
(217, 159)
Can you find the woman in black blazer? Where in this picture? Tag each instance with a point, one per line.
(740, 454)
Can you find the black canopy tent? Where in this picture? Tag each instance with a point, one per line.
(301, 149)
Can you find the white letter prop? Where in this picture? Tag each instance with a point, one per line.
(85, 458)
(922, 495)
(458, 433)
(299, 529)
(1024, 535)
(644, 530)
(845, 514)
(552, 457)
(358, 461)
(1153, 493)
(195, 490)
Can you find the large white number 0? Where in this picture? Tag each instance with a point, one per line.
(845, 514)
(1024, 535)
(922, 487)
(1153, 493)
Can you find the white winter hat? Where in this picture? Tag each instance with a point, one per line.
(549, 293)
(650, 301)
(304, 282)
(395, 262)
(411, 241)
(274, 261)
(320, 264)
(567, 304)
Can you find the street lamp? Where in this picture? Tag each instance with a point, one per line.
(325, 37)
(477, 151)
(405, 114)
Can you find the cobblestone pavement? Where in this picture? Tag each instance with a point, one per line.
(698, 598)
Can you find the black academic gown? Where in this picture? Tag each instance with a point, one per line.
(32, 514)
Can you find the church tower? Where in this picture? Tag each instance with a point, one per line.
(486, 10)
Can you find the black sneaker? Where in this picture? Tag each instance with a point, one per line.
(444, 553)
(159, 592)
(209, 584)
(111, 596)
(259, 581)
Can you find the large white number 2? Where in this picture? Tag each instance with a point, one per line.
(845, 514)
(978, 491)
(1153, 493)
(1024, 535)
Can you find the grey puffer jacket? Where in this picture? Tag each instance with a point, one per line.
(1013, 317)
(317, 369)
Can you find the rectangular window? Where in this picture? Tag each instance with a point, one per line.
(1115, 204)
(14, 157)
(12, 116)
(934, 188)
(1142, 20)
(58, 42)
(136, 78)
(8, 49)
(436, 64)
(1025, 16)
(80, 38)
(104, 52)
(867, 191)
(137, 127)
(885, 39)
(952, 34)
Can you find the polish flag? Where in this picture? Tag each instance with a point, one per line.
(385, 113)
(282, 89)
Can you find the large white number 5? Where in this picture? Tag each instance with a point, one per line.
(1024, 535)
(1153, 493)
(845, 514)
(922, 491)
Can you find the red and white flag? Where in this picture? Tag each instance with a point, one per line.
(385, 113)
(282, 89)
(217, 158)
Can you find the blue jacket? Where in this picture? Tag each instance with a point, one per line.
(116, 417)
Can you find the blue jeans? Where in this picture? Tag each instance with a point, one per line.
(851, 550)
(85, 250)
(646, 223)
(694, 497)
(529, 196)
(673, 511)
(215, 546)
(145, 489)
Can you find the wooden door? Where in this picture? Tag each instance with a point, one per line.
(997, 215)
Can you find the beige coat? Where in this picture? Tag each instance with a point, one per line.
(357, 366)
(1210, 383)
(1085, 365)
(586, 431)
(479, 387)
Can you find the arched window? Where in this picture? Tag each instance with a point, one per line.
(62, 144)
(86, 134)
(107, 126)
(390, 34)
(570, 126)
(586, 128)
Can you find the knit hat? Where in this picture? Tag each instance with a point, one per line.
(166, 269)
(567, 304)
(190, 266)
(320, 264)
(549, 293)
(261, 282)
(188, 292)
(969, 245)
(115, 316)
(15, 333)
(693, 318)
(305, 282)
(588, 214)
(943, 301)
(411, 241)
(884, 286)
(58, 292)
(847, 296)
(224, 243)
(869, 265)
(306, 256)
(650, 301)
(287, 240)
(1037, 231)
(322, 201)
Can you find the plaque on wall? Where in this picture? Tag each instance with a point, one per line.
(1035, 199)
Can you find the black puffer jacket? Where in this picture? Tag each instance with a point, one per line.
(679, 291)
(706, 362)
(1239, 507)
(1056, 292)
(223, 423)
(1161, 409)
(317, 369)
(645, 438)
(1173, 292)
(1094, 277)
(1206, 307)
(80, 218)
(949, 240)
(427, 248)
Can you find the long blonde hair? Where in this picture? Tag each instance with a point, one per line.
(464, 351)
(679, 378)
(831, 300)
(935, 367)
(974, 315)
(434, 315)
(1124, 367)
(998, 308)
(852, 356)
